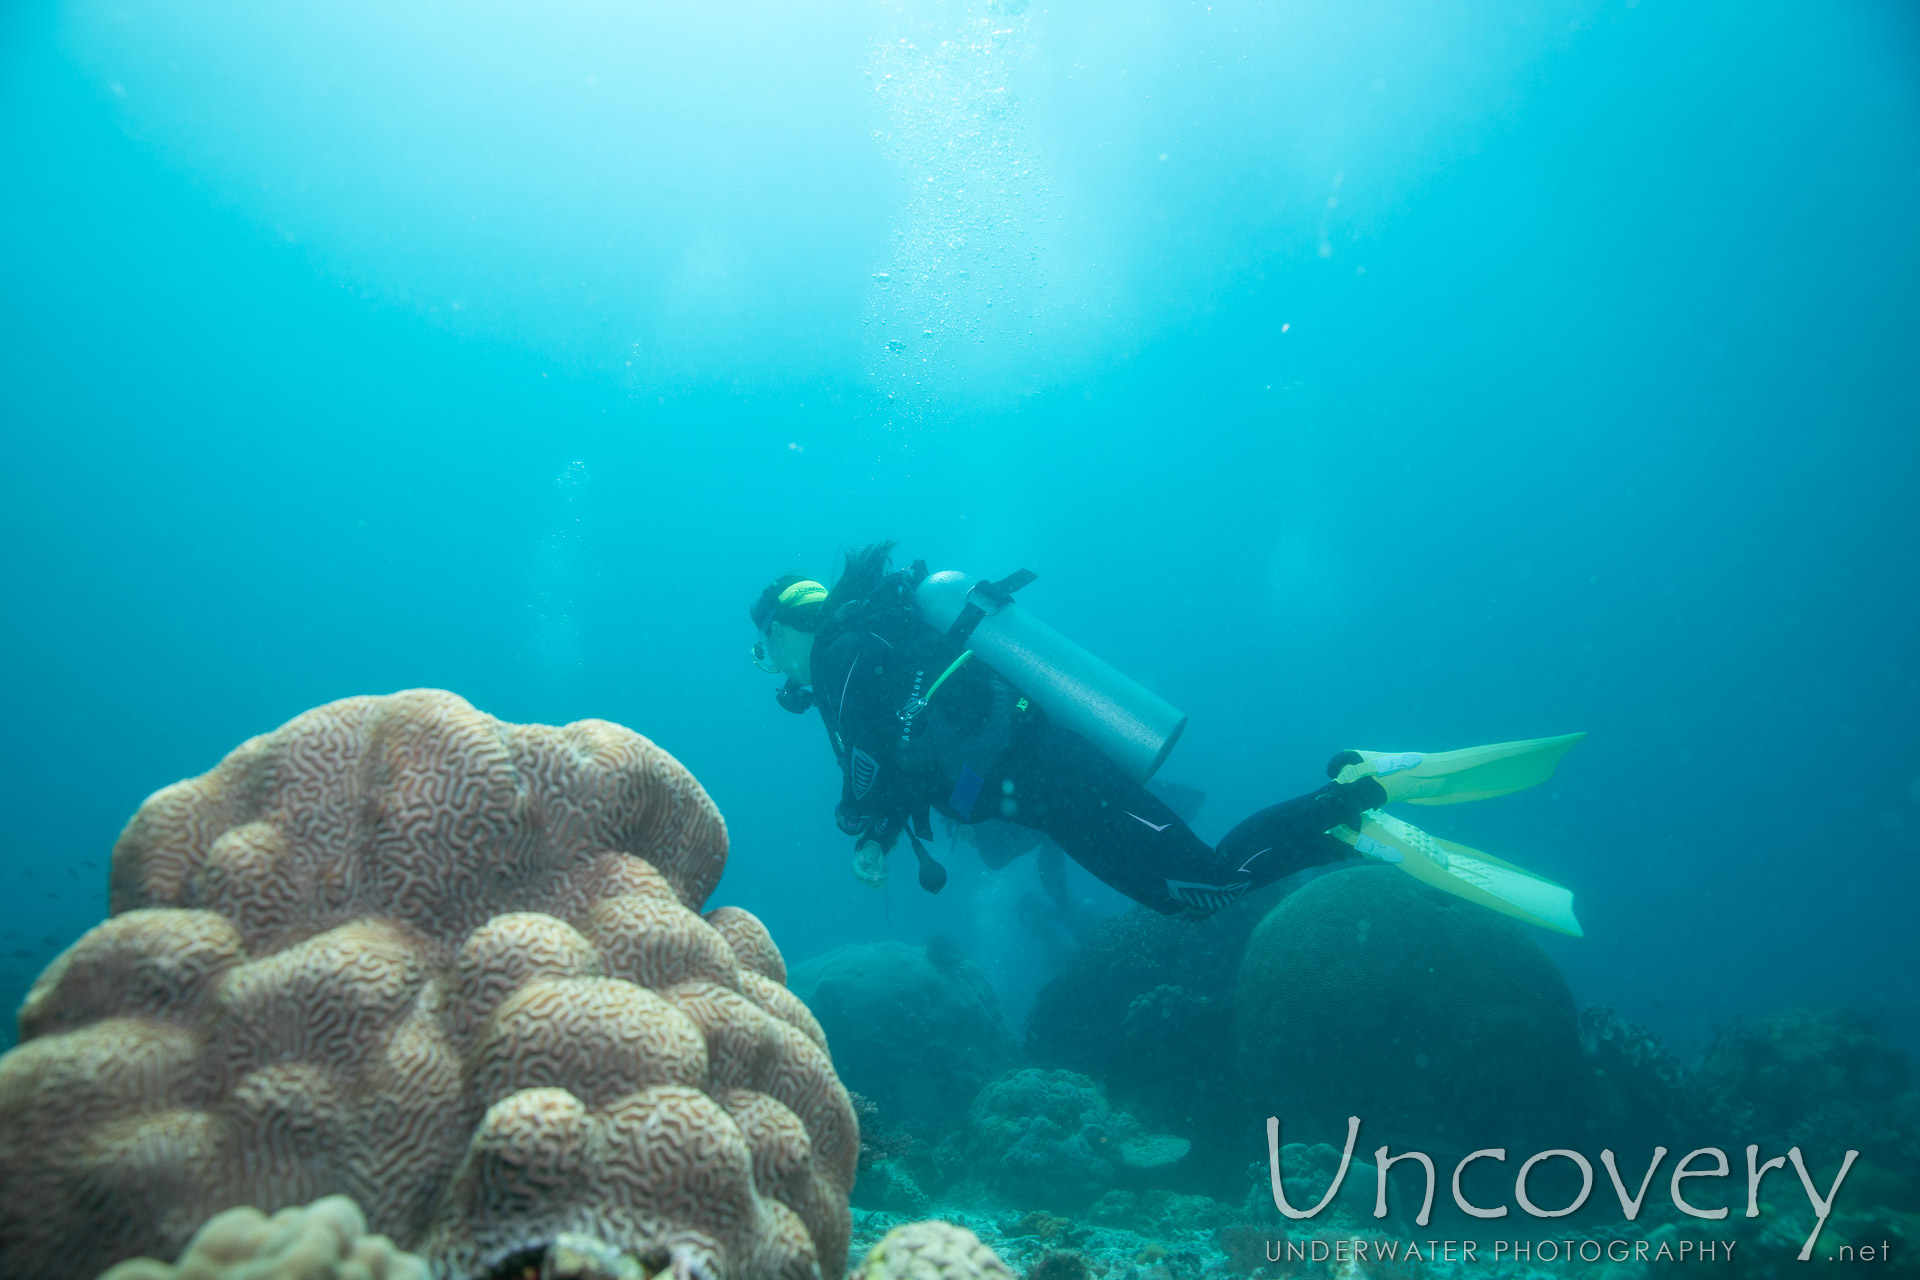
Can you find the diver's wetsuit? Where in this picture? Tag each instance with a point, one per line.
(977, 750)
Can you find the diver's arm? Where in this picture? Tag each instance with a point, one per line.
(860, 698)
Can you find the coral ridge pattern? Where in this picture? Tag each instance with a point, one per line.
(326, 1240)
(451, 967)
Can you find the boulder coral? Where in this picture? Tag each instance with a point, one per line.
(326, 1240)
(931, 1251)
(917, 1031)
(1822, 1079)
(451, 967)
(1145, 1007)
(1047, 1137)
(1366, 993)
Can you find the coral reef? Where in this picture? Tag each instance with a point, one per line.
(1768, 1245)
(877, 1142)
(1191, 1238)
(450, 967)
(1308, 1169)
(1047, 1137)
(889, 1186)
(573, 1256)
(1245, 1246)
(1368, 993)
(1347, 1254)
(1173, 1241)
(888, 1161)
(1154, 1151)
(931, 1251)
(326, 1240)
(1040, 1224)
(1159, 1212)
(1820, 1079)
(917, 1031)
(1639, 1093)
(1145, 1007)
(1060, 1264)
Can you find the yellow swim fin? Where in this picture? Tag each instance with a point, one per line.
(1466, 873)
(1455, 777)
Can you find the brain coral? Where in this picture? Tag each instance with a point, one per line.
(1366, 993)
(451, 967)
(326, 1240)
(931, 1251)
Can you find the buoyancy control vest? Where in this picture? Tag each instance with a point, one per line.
(1133, 726)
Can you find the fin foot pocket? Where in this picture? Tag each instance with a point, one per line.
(1456, 777)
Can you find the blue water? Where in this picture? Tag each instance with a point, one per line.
(1361, 374)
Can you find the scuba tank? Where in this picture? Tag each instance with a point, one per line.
(1131, 726)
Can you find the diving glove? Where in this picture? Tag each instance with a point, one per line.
(870, 865)
(1466, 873)
(1455, 777)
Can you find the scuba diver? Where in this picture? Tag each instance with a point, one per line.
(940, 693)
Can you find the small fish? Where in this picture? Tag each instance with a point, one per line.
(54, 896)
(74, 872)
(20, 953)
(91, 866)
(49, 942)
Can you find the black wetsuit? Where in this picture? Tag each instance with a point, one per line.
(977, 749)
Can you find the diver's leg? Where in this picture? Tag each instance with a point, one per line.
(1057, 782)
(1292, 835)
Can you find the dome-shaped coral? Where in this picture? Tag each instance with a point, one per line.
(326, 1240)
(1145, 1007)
(450, 967)
(1366, 993)
(917, 1031)
(1047, 1136)
(931, 1251)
